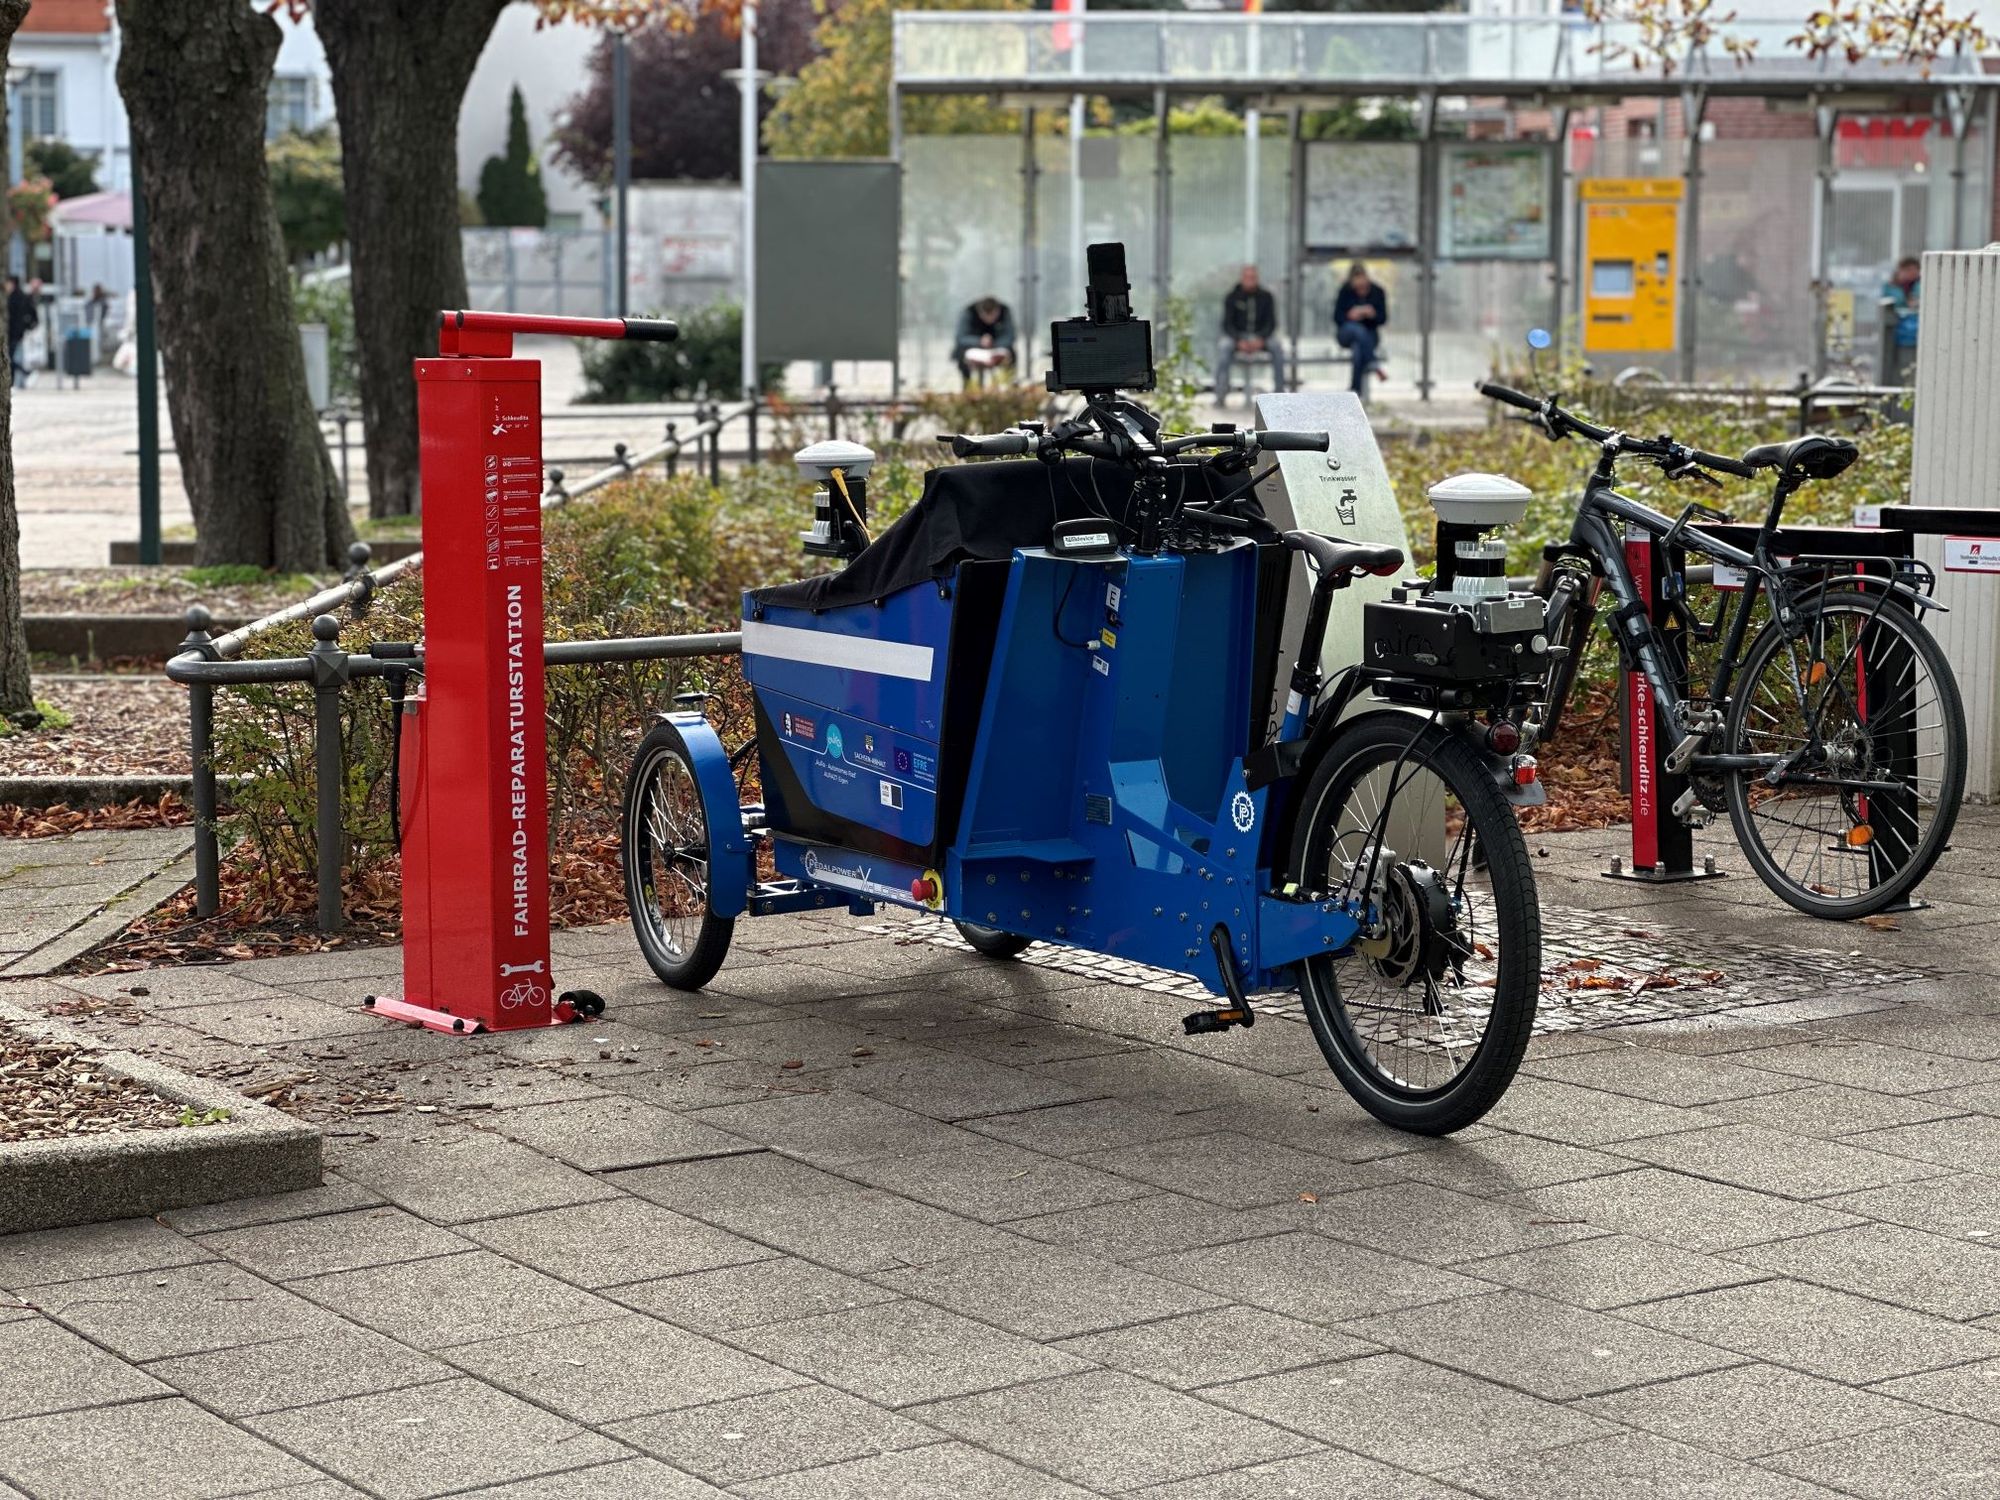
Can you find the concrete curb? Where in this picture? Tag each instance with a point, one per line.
(97, 791)
(96, 637)
(138, 1173)
(112, 918)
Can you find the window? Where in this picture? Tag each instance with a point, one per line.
(290, 106)
(39, 95)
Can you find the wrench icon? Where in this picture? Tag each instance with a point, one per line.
(533, 968)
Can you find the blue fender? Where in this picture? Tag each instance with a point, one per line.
(729, 867)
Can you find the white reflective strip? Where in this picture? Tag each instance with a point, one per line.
(822, 648)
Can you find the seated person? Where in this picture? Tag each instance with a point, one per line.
(1360, 313)
(1249, 326)
(985, 338)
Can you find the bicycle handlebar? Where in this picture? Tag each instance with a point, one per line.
(1019, 444)
(1560, 424)
(1492, 390)
(997, 445)
(1291, 442)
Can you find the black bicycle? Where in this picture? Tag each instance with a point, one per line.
(1836, 741)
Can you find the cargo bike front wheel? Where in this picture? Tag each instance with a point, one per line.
(1425, 1017)
(666, 858)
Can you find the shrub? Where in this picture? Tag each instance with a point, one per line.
(706, 361)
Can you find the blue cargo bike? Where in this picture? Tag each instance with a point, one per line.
(1046, 704)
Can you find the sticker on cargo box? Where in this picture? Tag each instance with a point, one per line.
(1102, 664)
(892, 795)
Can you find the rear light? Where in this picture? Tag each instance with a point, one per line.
(1526, 772)
(1503, 738)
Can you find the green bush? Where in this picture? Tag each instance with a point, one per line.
(660, 556)
(706, 361)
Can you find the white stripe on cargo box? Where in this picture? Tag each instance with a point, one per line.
(822, 648)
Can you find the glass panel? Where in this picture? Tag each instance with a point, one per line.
(962, 229)
(1754, 257)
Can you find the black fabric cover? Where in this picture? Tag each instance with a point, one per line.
(982, 510)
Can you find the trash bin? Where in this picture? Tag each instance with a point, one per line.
(76, 355)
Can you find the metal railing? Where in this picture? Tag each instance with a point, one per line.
(978, 51)
(206, 662)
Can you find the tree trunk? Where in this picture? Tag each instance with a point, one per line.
(399, 78)
(195, 76)
(16, 693)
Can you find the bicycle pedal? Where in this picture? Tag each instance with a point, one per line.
(1689, 809)
(1208, 1022)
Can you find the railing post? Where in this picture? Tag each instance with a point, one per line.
(674, 449)
(555, 494)
(201, 754)
(832, 411)
(621, 456)
(751, 418)
(329, 770)
(714, 443)
(364, 581)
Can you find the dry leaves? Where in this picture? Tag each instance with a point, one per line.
(52, 1092)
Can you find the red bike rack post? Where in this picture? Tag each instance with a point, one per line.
(1662, 845)
(474, 768)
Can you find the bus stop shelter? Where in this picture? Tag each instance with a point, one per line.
(1478, 206)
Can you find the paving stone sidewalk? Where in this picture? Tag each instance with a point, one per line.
(60, 897)
(877, 1218)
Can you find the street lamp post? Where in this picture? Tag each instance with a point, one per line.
(621, 159)
(749, 83)
(17, 247)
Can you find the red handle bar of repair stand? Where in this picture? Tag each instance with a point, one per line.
(491, 334)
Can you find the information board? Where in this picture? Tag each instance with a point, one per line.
(1494, 201)
(827, 237)
(1361, 195)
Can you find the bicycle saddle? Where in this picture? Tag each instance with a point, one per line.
(1335, 556)
(1808, 457)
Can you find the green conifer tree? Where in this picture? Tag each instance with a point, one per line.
(510, 186)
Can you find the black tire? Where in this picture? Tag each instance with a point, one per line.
(1791, 841)
(991, 941)
(665, 846)
(1375, 1039)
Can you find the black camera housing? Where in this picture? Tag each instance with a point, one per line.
(1107, 349)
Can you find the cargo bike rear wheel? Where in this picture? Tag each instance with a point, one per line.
(1424, 1019)
(665, 853)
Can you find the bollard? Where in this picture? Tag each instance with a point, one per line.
(201, 754)
(329, 764)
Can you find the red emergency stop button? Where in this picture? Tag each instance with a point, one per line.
(925, 889)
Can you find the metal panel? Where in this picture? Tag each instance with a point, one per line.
(1957, 463)
(827, 242)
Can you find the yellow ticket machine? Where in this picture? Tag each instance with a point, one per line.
(1631, 235)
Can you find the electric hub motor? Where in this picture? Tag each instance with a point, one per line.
(1464, 628)
(840, 504)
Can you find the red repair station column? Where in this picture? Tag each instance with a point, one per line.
(474, 768)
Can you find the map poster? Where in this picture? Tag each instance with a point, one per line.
(1494, 202)
(1361, 195)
